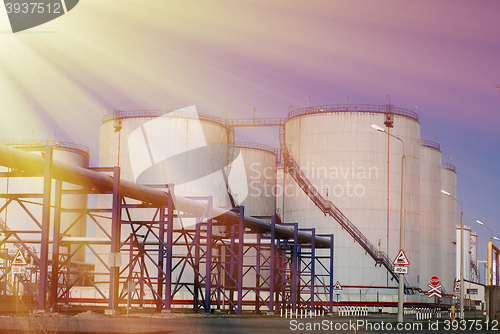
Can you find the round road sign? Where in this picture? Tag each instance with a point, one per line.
(434, 280)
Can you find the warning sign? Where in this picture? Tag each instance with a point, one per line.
(19, 263)
(435, 290)
(337, 289)
(401, 259)
(19, 259)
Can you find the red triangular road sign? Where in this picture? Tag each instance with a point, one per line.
(337, 286)
(19, 259)
(401, 259)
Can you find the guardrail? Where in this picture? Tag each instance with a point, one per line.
(262, 147)
(45, 142)
(119, 114)
(382, 109)
(250, 122)
(449, 166)
(431, 144)
(253, 122)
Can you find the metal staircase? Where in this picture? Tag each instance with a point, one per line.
(328, 208)
(474, 271)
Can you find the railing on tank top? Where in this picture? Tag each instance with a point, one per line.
(262, 147)
(45, 142)
(253, 122)
(327, 207)
(378, 109)
(431, 144)
(449, 166)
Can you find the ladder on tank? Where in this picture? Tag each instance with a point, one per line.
(327, 207)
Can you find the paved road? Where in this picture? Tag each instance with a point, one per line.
(155, 324)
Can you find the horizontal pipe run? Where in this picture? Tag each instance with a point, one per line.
(21, 160)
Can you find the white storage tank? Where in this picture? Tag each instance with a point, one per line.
(17, 219)
(430, 205)
(448, 223)
(467, 252)
(167, 147)
(349, 162)
(259, 179)
(152, 147)
(155, 147)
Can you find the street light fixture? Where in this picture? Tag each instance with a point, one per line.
(481, 223)
(378, 128)
(461, 253)
(401, 222)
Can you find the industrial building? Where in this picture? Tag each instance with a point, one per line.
(186, 215)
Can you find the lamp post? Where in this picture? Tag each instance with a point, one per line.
(461, 253)
(401, 222)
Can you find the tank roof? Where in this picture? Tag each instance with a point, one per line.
(366, 108)
(41, 143)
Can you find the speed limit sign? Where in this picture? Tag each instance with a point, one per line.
(19, 270)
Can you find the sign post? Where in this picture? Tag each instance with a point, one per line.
(337, 289)
(401, 259)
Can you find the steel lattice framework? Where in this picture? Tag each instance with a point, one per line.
(207, 260)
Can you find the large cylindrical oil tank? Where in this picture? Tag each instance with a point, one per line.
(359, 170)
(448, 223)
(16, 217)
(183, 147)
(430, 206)
(156, 148)
(260, 179)
(466, 250)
